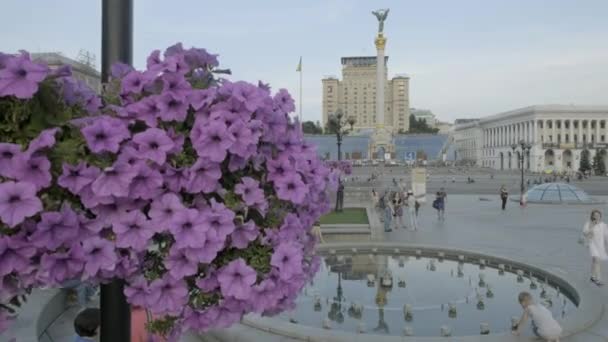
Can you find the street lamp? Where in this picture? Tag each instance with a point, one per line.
(525, 149)
(337, 125)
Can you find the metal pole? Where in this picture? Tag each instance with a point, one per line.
(300, 90)
(116, 46)
(116, 34)
(339, 146)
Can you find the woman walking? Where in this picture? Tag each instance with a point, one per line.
(412, 205)
(388, 215)
(504, 195)
(439, 203)
(596, 234)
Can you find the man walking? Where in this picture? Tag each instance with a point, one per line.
(504, 195)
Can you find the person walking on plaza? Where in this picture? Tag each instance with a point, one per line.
(412, 206)
(388, 215)
(439, 203)
(595, 233)
(504, 195)
(398, 205)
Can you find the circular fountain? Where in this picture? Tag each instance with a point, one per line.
(391, 291)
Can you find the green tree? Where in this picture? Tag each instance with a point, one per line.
(420, 126)
(309, 127)
(598, 164)
(585, 164)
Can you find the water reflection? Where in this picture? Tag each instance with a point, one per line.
(396, 295)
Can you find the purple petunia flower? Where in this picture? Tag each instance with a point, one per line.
(188, 228)
(173, 107)
(15, 255)
(243, 234)
(20, 77)
(137, 291)
(200, 58)
(204, 176)
(209, 283)
(153, 144)
(119, 70)
(250, 191)
(33, 170)
(288, 259)
(101, 256)
(202, 98)
(284, 101)
(220, 219)
(133, 230)
(167, 295)
(18, 201)
(147, 183)
(291, 188)
(214, 141)
(179, 264)
(105, 134)
(245, 142)
(114, 181)
(115, 209)
(57, 268)
(56, 229)
(76, 177)
(129, 155)
(279, 167)
(163, 209)
(8, 156)
(176, 178)
(207, 249)
(176, 83)
(147, 110)
(154, 62)
(45, 139)
(133, 82)
(236, 279)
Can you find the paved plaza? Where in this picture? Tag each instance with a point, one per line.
(541, 235)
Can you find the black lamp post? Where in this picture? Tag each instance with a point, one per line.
(116, 46)
(337, 125)
(525, 149)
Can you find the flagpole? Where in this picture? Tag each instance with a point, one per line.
(300, 90)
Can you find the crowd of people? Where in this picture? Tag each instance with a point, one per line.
(394, 206)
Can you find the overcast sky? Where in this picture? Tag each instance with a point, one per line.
(466, 58)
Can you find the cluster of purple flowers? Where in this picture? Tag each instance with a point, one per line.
(200, 197)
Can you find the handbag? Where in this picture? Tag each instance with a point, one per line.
(436, 204)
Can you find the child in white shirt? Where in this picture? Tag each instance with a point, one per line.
(543, 323)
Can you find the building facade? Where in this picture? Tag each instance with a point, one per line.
(355, 95)
(558, 135)
(466, 137)
(80, 70)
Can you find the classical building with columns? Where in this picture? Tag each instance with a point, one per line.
(558, 134)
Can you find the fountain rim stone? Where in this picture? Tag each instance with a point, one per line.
(589, 309)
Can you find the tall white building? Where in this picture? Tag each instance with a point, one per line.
(558, 134)
(355, 95)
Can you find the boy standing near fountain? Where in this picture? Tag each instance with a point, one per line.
(543, 323)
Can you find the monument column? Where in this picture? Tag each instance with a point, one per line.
(380, 82)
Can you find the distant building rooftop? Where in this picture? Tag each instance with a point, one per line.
(56, 59)
(361, 61)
